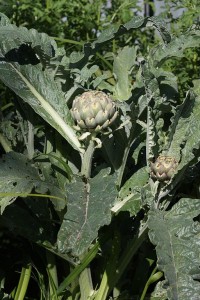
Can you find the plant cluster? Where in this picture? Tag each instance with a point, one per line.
(99, 176)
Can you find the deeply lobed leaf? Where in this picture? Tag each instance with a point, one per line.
(176, 237)
(23, 72)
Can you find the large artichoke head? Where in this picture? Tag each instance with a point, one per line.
(163, 168)
(93, 111)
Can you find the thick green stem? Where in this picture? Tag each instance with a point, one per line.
(121, 172)
(85, 280)
(153, 278)
(86, 286)
(23, 283)
(87, 159)
(30, 141)
(52, 274)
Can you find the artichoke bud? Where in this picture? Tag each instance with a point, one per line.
(163, 168)
(93, 111)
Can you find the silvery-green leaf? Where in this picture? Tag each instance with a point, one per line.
(88, 209)
(122, 66)
(22, 72)
(130, 194)
(18, 177)
(176, 236)
(175, 48)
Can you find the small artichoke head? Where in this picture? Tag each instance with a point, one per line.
(163, 168)
(93, 111)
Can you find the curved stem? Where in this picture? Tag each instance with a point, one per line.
(67, 41)
(155, 276)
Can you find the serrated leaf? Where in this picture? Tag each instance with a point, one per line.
(130, 193)
(175, 48)
(83, 75)
(185, 130)
(149, 75)
(21, 72)
(184, 138)
(156, 81)
(106, 35)
(117, 146)
(160, 25)
(135, 22)
(179, 128)
(122, 66)
(88, 209)
(151, 144)
(193, 134)
(115, 31)
(18, 178)
(42, 44)
(168, 85)
(177, 237)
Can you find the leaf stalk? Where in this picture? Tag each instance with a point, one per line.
(85, 279)
(23, 282)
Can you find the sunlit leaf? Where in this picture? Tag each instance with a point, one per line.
(21, 71)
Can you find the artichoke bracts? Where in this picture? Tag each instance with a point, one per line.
(163, 168)
(93, 111)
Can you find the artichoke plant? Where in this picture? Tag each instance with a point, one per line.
(93, 111)
(163, 168)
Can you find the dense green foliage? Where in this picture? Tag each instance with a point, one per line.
(84, 214)
(74, 20)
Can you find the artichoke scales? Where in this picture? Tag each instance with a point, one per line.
(93, 111)
(163, 168)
